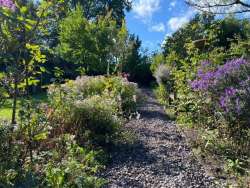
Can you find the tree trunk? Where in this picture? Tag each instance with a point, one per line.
(14, 106)
(108, 69)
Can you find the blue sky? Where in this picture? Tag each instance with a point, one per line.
(153, 20)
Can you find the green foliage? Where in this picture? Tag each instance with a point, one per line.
(92, 9)
(125, 94)
(218, 40)
(119, 89)
(234, 165)
(136, 64)
(94, 121)
(201, 39)
(89, 86)
(161, 94)
(92, 108)
(87, 44)
(158, 60)
(21, 55)
(57, 144)
(3, 95)
(31, 156)
(72, 166)
(8, 156)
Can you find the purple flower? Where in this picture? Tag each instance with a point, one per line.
(205, 63)
(8, 4)
(231, 67)
(223, 103)
(227, 99)
(206, 80)
(238, 107)
(230, 92)
(228, 85)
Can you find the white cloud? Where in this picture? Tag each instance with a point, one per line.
(164, 40)
(160, 27)
(175, 23)
(173, 3)
(144, 9)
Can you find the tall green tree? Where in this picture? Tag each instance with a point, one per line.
(206, 33)
(94, 8)
(87, 44)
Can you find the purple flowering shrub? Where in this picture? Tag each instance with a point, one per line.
(8, 4)
(228, 88)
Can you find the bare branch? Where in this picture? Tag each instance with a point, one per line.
(208, 6)
(243, 4)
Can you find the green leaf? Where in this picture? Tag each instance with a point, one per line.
(23, 10)
(42, 69)
(28, 27)
(41, 136)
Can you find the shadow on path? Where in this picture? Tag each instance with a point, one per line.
(160, 156)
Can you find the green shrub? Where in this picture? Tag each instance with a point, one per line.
(125, 94)
(72, 166)
(162, 74)
(117, 88)
(88, 86)
(161, 94)
(13, 172)
(94, 120)
(92, 108)
(8, 156)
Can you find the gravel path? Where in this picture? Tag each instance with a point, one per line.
(160, 158)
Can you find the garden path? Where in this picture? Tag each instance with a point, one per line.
(161, 157)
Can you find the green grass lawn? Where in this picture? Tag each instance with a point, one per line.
(6, 111)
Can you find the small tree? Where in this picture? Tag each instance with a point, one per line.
(20, 56)
(92, 45)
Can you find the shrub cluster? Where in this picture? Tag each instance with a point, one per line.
(92, 107)
(62, 143)
(212, 98)
(209, 99)
(165, 82)
(226, 89)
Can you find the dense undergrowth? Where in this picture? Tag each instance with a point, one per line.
(65, 142)
(204, 84)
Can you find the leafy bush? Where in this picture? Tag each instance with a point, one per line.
(124, 93)
(92, 108)
(94, 120)
(162, 94)
(120, 89)
(162, 74)
(164, 78)
(72, 166)
(227, 89)
(55, 162)
(8, 156)
(88, 86)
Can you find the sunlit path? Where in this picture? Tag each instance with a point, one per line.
(160, 158)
